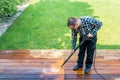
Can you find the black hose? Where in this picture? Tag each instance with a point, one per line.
(95, 67)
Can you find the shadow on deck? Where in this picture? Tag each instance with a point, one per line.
(45, 65)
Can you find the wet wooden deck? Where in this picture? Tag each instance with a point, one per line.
(45, 65)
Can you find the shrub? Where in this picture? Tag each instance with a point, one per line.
(9, 7)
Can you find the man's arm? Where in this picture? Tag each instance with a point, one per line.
(95, 24)
(74, 39)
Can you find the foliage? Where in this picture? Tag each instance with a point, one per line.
(9, 7)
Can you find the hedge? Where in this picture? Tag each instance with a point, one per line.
(9, 7)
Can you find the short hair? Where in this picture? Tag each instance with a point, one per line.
(71, 21)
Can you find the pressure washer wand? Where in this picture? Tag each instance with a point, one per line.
(69, 56)
(84, 39)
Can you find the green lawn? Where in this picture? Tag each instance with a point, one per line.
(43, 24)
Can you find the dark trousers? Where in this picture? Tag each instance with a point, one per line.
(89, 47)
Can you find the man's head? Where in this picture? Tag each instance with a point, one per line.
(72, 23)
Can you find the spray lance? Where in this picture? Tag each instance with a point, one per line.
(84, 39)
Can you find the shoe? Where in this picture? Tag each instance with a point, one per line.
(87, 70)
(76, 67)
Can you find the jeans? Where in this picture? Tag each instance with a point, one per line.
(87, 47)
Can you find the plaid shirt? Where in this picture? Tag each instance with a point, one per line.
(89, 25)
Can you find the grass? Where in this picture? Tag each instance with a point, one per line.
(43, 24)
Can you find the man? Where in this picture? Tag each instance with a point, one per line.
(85, 27)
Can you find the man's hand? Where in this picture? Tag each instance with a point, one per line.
(89, 35)
(72, 51)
